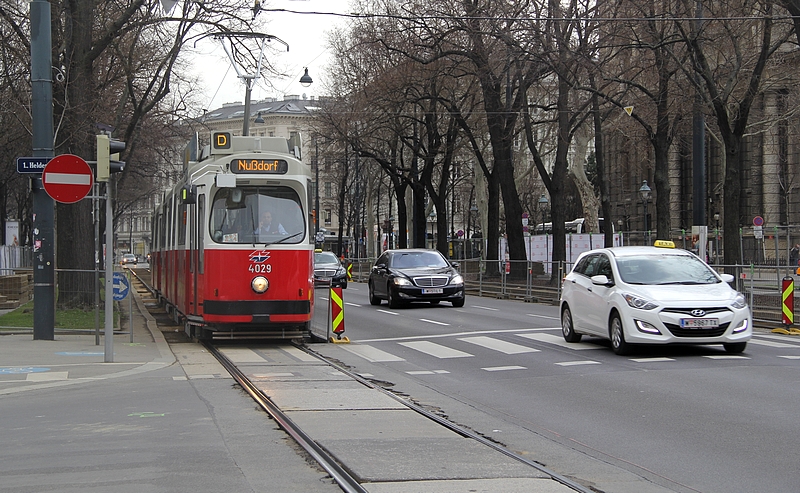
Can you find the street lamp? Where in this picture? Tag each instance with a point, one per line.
(306, 80)
(644, 193)
(543, 208)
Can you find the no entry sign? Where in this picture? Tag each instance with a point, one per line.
(67, 178)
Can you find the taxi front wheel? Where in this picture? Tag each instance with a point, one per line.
(618, 337)
(567, 328)
(734, 347)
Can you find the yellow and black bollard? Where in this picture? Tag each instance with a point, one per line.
(337, 317)
(787, 307)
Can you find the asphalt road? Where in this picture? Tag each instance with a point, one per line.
(682, 418)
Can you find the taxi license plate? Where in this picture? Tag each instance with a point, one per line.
(432, 291)
(699, 323)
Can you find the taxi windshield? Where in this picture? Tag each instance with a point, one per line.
(665, 269)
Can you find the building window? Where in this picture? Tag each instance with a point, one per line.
(328, 217)
(328, 189)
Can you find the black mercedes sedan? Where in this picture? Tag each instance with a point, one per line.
(403, 276)
(328, 270)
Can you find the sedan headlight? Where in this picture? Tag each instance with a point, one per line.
(739, 302)
(401, 281)
(457, 280)
(340, 271)
(638, 302)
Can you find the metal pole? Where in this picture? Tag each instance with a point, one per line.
(248, 83)
(109, 327)
(98, 249)
(130, 304)
(316, 186)
(43, 205)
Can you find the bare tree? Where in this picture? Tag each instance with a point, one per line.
(732, 68)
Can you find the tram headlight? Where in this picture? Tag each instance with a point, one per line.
(259, 284)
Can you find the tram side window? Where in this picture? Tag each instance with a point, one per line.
(238, 215)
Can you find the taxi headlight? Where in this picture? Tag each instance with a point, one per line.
(638, 302)
(259, 284)
(739, 302)
(457, 280)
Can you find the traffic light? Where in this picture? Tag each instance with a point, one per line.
(108, 157)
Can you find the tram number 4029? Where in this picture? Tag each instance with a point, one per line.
(260, 268)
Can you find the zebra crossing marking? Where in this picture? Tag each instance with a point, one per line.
(436, 350)
(498, 345)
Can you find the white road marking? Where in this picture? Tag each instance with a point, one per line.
(351, 304)
(725, 356)
(456, 334)
(773, 344)
(432, 321)
(436, 350)
(542, 316)
(559, 341)
(486, 308)
(498, 345)
(427, 372)
(371, 354)
(387, 311)
(577, 363)
(651, 360)
(789, 357)
(504, 368)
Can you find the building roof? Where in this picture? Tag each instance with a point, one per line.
(290, 105)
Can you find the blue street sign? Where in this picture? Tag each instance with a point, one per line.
(121, 286)
(32, 164)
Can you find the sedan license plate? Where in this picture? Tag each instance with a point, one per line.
(432, 291)
(699, 323)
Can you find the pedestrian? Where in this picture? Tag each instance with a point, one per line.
(793, 254)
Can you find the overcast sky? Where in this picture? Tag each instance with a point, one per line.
(305, 35)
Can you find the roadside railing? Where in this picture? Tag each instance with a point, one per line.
(530, 282)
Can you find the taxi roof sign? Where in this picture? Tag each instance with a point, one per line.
(664, 244)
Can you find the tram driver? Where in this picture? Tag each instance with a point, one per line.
(267, 227)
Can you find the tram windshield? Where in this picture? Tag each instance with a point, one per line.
(258, 214)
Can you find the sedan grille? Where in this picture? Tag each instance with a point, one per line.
(678, 331)
(431, 281)
(325, 272)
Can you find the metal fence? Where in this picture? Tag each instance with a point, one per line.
(761, 284)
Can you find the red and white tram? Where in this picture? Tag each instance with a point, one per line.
(215, 265)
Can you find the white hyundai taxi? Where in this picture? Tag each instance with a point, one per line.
(652, 295)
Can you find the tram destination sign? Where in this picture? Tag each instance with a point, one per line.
(269, 166)
(32, 164)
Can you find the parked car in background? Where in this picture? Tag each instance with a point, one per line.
(328, 269)
(128, 259)
(652, 295)
(403, 276)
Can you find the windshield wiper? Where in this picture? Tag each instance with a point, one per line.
(284, 239)
(682, 282)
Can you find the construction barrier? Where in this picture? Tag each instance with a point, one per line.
(337, 316)
(787, 307)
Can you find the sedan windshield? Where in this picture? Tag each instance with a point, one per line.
(325, 258)
(407, 260)
(665, 269)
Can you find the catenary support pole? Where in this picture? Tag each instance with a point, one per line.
(43, 204)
